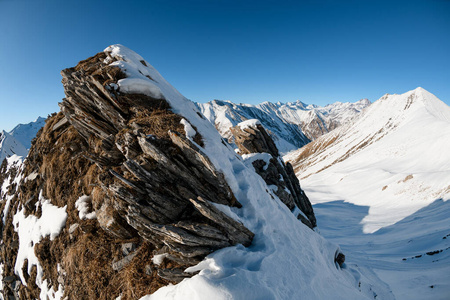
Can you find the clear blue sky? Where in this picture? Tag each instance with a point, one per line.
(245, 51)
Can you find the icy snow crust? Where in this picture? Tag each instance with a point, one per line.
(286, 260)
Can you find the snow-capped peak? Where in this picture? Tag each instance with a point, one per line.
(397, 136)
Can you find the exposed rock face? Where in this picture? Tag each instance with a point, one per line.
(251, 138)
(148, 185)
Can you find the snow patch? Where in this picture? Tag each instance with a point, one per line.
(250, 158)
(82, 205)
(32, 230)
(32, 176)
(190, 131)
(48, 293)
(158, 259)
(249, 124)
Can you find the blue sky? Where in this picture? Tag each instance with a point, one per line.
(244, 51)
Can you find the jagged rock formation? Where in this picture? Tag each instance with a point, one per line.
(251, 137)
(149, 187)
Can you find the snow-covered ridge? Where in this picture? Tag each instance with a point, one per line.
(292, 124)
(259, 271)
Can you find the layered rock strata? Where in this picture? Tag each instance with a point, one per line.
(252, 139)
(146, 188)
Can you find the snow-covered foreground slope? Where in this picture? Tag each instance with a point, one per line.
(381, 187)
(412, 255)
(286, 260)
(292, 124)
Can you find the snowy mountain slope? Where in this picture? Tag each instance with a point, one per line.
(10, 146)
(412, 255)
(18, 140)
(292, 124)
(226, 114)
(380, 186)
(396, 150)
(24, 133)
(259, 271)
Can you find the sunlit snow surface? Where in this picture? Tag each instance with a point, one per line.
(387, 202)
(286, 260)
(32, 230)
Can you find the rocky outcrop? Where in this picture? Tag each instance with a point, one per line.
(257, 147)
(143, 179)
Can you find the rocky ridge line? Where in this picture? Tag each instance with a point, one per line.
(146, 178)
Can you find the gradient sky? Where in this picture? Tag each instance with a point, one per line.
(244, 51)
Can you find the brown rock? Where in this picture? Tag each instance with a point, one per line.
(254, 139)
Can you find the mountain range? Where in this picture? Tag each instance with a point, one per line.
(292, 125)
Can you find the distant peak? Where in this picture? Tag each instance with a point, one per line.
(39, 119)
(421, 91)
(364, 101)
